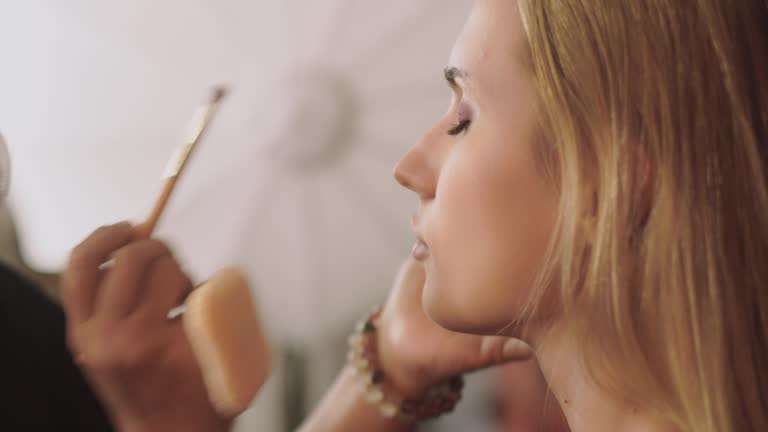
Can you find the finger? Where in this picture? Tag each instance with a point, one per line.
(166, 287)
(125, 282)
(410, 278)
(480, 352)
(81, 279)
(499, 349)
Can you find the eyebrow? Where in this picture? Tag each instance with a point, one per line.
(453, 74)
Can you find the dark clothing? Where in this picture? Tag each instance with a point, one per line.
(41, 388)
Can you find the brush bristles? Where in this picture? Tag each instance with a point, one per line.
(218, 93)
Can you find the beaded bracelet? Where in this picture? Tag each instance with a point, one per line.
(440, 399)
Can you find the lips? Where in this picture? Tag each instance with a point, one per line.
(420, 250)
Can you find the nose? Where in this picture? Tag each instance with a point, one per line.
(418, 170)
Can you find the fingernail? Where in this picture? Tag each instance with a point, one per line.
(176, 312)
(107, 264)
(515, 349)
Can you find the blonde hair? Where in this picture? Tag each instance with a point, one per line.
(659, 122)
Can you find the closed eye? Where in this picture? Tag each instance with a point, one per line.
(462, 126)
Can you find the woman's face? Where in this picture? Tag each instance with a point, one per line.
(486, 210)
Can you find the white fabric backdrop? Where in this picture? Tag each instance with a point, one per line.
(94, 96)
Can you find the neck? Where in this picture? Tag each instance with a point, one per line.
(586, 407)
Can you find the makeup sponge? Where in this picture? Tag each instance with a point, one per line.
(222, 326)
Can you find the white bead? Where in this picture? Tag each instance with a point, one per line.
(355, 340)
(362, 369)
(388, 409)
(373, 394)
(360, 373)
(362, 363)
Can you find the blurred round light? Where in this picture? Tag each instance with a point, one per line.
(315, 118)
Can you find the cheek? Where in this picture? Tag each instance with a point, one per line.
(492, 221)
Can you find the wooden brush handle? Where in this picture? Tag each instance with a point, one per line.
(145, 229)
(178, 162)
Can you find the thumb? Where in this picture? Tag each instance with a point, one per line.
(515, 350)
(497, 350)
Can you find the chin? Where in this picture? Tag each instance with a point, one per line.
(452, 308)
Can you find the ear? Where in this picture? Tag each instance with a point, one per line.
(642, 180)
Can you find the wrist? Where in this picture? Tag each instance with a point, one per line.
(409, 382)
(404, 397)
(412, 380)
(187, 424)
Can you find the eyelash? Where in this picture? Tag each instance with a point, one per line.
(462, 126)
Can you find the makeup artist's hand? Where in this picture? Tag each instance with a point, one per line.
(138, 362)
(416, 353)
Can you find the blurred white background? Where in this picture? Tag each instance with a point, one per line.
(293, 182)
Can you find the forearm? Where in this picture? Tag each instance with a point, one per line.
(187, 424)
(344, 409)
(177, 425)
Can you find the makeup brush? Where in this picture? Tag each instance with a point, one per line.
(219, 317)
(179, 160)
